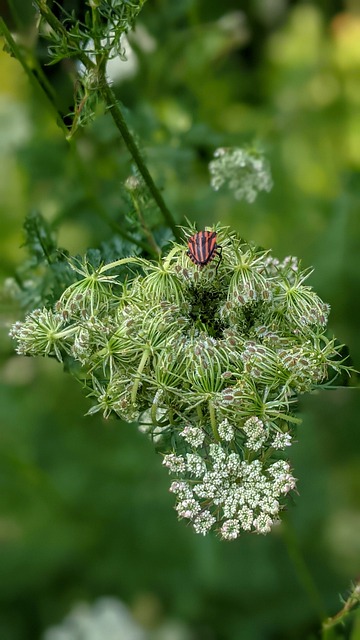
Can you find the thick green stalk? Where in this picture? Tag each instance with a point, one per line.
(213, 421)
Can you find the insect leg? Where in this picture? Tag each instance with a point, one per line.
(218, 253)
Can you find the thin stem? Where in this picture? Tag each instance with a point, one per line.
(301, 569)
(140, 369)
(154, 408)
(169, 257)
(14, 14)
(59, 28)
(100, 210)
(349, 605)
(116, 113)
(117, 263)
(156, 249)
(121, 232)
(101, 56)
(78, 108)
(34, 77)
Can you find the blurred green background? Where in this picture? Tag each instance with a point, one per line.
(84, 504)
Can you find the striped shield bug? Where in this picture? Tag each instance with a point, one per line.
(202, 248)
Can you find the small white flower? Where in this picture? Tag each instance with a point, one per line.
(230, 529)
(283, 480)
(281, 440)
(106, 618)
(226, 431)
(181, 489)
(246, 517)
(270, 505)
(195, 465)
(263, 523)
(233, 465)
(193, 435)
(204, 522)
(175, 464)
(256, 434)
(188, 508)
(217, 453)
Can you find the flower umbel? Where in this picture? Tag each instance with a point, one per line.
(209, 360)
(244, 171)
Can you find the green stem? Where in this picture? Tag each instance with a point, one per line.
(169, 257)
(100, 210)
(301, 569)
(116, 113)
(60, 30)
(14, 15)
(117, 263)
(35, 76)
(121, 232)
(213, 421)
(154, 408)
(153, 412)
(349, 605)
(155, 248)
(140, 369)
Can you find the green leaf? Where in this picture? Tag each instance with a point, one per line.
(40, 238)
(46, 272)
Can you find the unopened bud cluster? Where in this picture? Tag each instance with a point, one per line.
(209, 360)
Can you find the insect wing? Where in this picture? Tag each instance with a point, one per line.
(202, 247)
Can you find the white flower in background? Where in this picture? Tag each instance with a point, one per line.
(110, 619)
(244, 171)
(106, 619)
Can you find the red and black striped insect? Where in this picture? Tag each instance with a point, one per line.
(202, 248)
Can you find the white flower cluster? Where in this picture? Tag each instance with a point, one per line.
(246, 172)
(256, 434)
(193, 435)
(226, 431)
(244, 496)
(281, 440)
